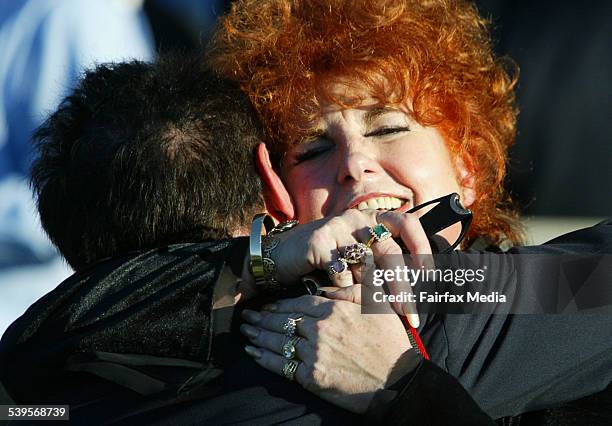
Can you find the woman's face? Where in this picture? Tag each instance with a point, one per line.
(369, 157)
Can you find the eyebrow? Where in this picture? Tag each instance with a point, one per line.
(373, 114)
(311, 136)
(368, 118)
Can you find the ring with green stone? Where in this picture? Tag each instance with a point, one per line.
(379, 233)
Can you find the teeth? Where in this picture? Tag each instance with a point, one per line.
(385, 203)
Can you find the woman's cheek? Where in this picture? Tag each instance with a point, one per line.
(310, 191)
(309, 208)
(306, 202)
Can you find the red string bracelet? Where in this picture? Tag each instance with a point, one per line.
(415, 339)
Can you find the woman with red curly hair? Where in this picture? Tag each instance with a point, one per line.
(386, 105)
(431, 60)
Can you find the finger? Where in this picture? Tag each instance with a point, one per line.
(356, 273)
(367, 265)
(409, 228)
(349, 294)
(379, 250)
(360, 258)
(276, 322)
(389, 256)
(275, 363)
(275, 342)
(339, 273)
(354, 224)
(314, 306)
(326, 242)
(348, 229)
(303, 249)
(414, 238)
(316, 244)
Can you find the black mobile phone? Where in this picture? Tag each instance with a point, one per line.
(446, 211)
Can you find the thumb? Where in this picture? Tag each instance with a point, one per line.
(349, 294)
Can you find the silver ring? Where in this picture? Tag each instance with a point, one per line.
(337, 267)
(356, 253)
(290, 325)
(289, 348)
(290, 368)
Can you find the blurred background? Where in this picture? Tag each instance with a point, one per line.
(560, 171)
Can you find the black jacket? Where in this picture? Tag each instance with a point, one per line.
(512, 364)
(132, 341)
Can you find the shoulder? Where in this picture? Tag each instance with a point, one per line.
(596, 239)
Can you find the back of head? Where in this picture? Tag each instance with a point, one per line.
(145, 155)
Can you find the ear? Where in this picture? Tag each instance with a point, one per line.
(277, 199)
(467, 181)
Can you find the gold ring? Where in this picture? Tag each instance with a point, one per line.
(290, 368)
(379, 233)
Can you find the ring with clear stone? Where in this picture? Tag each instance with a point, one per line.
(290, 325)
(289, 348)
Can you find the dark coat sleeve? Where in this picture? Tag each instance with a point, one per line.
(425, 395)
(129, 342)
(517, 363)
(155, 304)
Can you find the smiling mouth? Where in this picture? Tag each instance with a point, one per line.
(381, 203)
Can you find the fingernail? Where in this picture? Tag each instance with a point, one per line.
(253, 351)
(249, 331)
(414, 320)
(270, 307)
(251, 316)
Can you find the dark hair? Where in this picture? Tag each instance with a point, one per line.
(143, 155)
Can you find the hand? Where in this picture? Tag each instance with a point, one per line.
(316, 244)
(344, 356)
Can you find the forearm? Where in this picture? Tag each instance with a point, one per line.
(424, 394)
(516, 363)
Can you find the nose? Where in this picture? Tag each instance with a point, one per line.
(358, 163)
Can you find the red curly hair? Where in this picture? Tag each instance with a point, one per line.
(433, 55)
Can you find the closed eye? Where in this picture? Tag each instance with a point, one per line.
(310, 154)
(384, 131)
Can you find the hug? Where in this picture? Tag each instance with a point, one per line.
(335, 119)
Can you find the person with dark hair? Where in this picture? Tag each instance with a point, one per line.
(143, 156)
